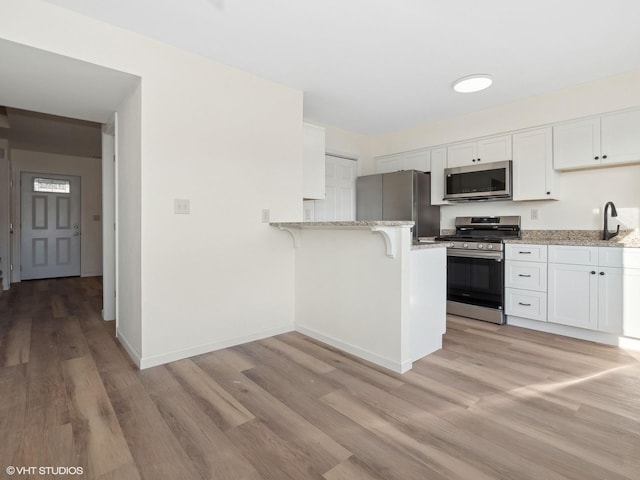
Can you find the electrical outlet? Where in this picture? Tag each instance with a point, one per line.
(265, 215)
(181, 206)
(534, 214)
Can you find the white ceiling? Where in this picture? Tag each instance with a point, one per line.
(33, 79)
(375, 66)
(60, 89)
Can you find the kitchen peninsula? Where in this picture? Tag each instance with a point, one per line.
(364, 288)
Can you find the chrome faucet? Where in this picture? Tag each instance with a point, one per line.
(606, 234)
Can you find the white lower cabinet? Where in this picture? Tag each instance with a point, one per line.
(526, 304)
(573, 295)
(595, 288)
(526, 281)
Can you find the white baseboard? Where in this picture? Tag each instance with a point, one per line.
(154, 360)
(395, 366)
(135, 356)
(574, 332)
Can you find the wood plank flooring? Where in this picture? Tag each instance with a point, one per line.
(497, 402)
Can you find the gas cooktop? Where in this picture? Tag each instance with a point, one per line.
(484, 229)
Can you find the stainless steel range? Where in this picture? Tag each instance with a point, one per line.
(475, 266)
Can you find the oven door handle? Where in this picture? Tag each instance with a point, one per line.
(497, 256)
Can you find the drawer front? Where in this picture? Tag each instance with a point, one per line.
(526, 304)
(526, 275)
(619, 257)
(525, 252)
(610, 256)
(571, 255)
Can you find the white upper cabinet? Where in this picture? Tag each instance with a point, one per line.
(462, 154)
(492, 149)
(620, 137)
(417, 160)
(599, 141)
(389, 163)
(533, 175)
(576, 144)
(313, 164)
(438, 164)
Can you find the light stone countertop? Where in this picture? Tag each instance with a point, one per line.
(361, 223)
(580, 238)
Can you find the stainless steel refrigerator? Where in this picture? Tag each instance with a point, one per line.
(404, 195)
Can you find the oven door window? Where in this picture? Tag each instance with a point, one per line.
(476, 281)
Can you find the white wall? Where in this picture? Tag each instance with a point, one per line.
(4, 214)
(129, 328)
(228, 141)
(90, 172)
(583, 193)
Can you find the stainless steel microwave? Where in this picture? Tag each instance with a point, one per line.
(489, 181)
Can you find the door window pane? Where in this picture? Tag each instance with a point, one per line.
(51, 185)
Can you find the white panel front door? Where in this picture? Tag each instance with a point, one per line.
(340, 187)
(50, 225)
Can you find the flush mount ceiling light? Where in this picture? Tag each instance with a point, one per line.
(472, 83)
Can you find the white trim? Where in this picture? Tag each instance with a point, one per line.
(154, 360)
(398, 367)
(135, 356)
(295, 233)
(574, 332)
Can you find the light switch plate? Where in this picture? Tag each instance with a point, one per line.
(534, 214)
(181, 206)
(265, 215)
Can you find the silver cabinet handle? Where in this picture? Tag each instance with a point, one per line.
(524, 253)
(524, 304)
(522, 275)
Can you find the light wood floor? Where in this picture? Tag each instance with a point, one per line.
(497, 402)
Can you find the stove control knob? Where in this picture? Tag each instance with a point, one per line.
(465, 245)
(480, 246)
(452, 244)
(490, 247)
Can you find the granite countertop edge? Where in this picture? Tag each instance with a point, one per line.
(360, 223)
(578, 238)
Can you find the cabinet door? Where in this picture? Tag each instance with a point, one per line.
(576, 144)
(438, 164)
(610, 304)
(494, 149)
(462, 154)
(420, 160)
(533, 174)
(630, 302)
(388, 164)
(573, 295)
(313, 175)
(620, 135)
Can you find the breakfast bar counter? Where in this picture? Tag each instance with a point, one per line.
(362, 287)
